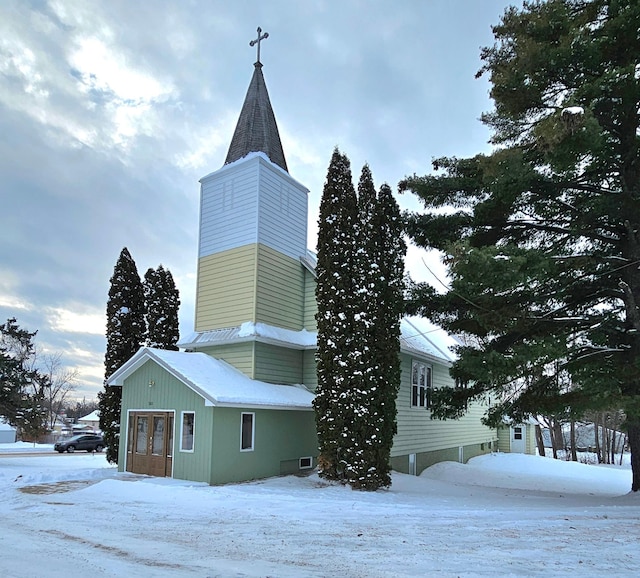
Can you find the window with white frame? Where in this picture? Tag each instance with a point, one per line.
(420, 384)
(247, 431)
(187, 431)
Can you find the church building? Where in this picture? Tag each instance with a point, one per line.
(235, 403)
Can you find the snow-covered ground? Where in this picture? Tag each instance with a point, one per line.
(73, 515)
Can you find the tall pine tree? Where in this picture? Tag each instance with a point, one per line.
(334, 290)
(125, 335)
(544, 248)
(362, 442)
(162, 304)
(385, 340)
(359, 291)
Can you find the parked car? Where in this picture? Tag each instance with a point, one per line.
(88, 442)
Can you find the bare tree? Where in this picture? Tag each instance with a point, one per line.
(540, 441)
(61, 381)
(81, 408)
(56, 381)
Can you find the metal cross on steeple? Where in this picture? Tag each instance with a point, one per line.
(257, 41)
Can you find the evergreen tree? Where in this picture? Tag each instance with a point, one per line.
(385, 341)
(334, 289)
(21, 399)
(359, 293)
(360, 397)
(544, 248)
(162, 304)
(125, 335)
(377, 301)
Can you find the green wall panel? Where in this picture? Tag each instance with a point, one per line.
(280, 436)
(275, 364)
(168, 393)
(309, 369)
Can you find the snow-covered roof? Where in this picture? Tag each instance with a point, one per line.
(217, 382)
(4, 426)
(250, 331)
(418, 337)
(310, 261)
(93, 416)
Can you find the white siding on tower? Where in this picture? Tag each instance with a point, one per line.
(228, 209)
(283, 213)
(252, 201)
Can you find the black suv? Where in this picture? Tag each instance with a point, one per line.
(89, 442)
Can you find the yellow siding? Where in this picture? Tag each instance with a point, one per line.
(225, 294)
(279, 289)
(310, 303)
(417, 432)
(250, 283)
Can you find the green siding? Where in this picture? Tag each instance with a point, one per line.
(240, 355)
(309, 369)
(168, 393)
(226, 284)
(275, 364)
(418, 433)
(280, 438)
(279, 289)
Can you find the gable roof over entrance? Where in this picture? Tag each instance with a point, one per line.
(217, 382)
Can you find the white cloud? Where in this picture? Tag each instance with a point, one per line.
(205, 143)
(426, 266)
(91, 373)
(8, 292)
(72, 321)
(103, 68)
(14, 302)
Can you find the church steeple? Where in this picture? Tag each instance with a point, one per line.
(253, 229)
(257, 130)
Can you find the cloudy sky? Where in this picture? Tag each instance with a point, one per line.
(110, 112)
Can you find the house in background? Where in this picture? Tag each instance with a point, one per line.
(518, 438)
(236, 404)
(7, 433)
(89, 422)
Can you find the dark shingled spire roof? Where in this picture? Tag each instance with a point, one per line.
(257, 130)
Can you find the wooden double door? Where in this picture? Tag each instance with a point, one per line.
(150, 443)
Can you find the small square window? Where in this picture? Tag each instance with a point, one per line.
(305, 463)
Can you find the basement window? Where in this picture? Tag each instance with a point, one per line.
(305, 463)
